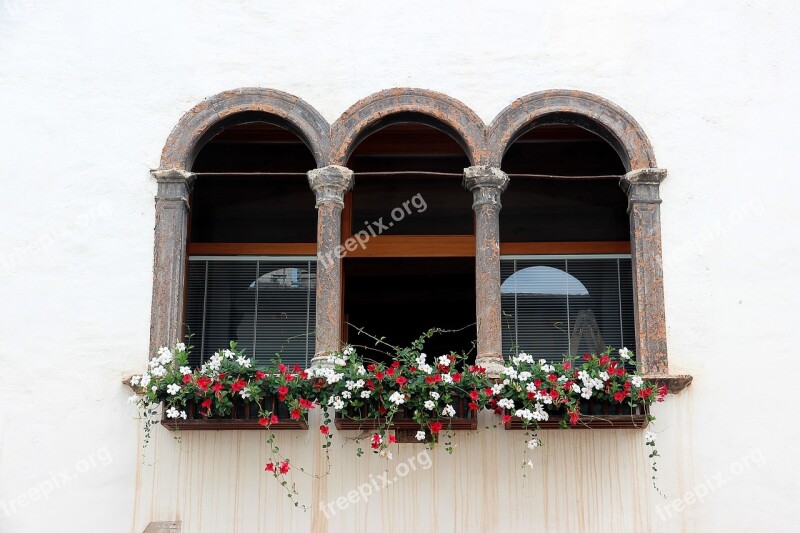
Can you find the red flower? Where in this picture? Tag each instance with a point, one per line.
(619, 396)
(295, 414)
(436, 427)
(296, 369)
(263, 421)
(621, 371)
(487, 391)
(285, 467)
(273, 419)
(401, 380)
(304, 374)
(369, 384)
(306, 404)
(187, 378)
(382, 410)
(324, 430)
(474, 395)
(203, 382)
(604, 360)
(438, 378)
(412, 369)
(260, 374)
(395, 364)
(217, 387)
(567, 365)
(531, 395)
(236, 386)
(270, 467)
(379, 375)
(220, 376)
(289, 377)
(554, 394)
(283, 368)
(206, 404)
(573, 417)
(376, 442)
(551, 377)
(473, 406)
(390, 371)
(506, 419)
(662, 392)
(537, 383)
(644, 393)
(282, 392)
(430, 380)
(371, 367)
(392, 439)
(456, 377)
(587, 357)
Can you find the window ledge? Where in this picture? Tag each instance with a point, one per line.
(675, 383)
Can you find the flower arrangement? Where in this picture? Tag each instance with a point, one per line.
(432, 395)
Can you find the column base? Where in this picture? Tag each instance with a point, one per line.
(493, 363)
(320, 360)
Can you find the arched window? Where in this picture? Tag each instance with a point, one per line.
(414, 268)
(252, 243)
(565, 244)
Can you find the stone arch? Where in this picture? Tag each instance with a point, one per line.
(403, 105)
(586, 110)
(228, 108)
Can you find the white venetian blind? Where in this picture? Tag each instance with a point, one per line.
(558, 305)
(266, 304)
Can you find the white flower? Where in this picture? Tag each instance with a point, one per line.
(350, 384)
(540, 414)
(174, 413)
(505, 403)
(425, 367)
(636, 381)
(497, 388)
(533, 443)
(173, 389)
(215, 362)
(586, 392)
(348, 350)
(447, 378)
(430, 405)
(244, 393)
(365, 393)
(506, 381)
(337, 403)
(624, 354)
(144, 381)
(397, 398)
(524, 376)
(604, 375)
(132, 399)
(434, 395)
(530, 387)
(158, 371)
(386, 454)
(420, 435)
(228, 354)
(135, 380)
(347, 394)
(181, 347)
(449, 411)
(649, 437)
(529, 464)
(583, 375)
(562, 379)
(576, 388)
(362, 371)
(185, 370)
(339, 361)
(443, 360)
(243, 361)
(598, 384)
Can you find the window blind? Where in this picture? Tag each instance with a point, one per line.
(566, 305)
(266, 304)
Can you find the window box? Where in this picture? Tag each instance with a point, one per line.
(357, 418)
(244, 415)
(594, 415)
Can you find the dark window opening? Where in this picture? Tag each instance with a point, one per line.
(400, 298)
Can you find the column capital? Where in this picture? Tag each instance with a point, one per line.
(642, 185)
(330, 183)
(173, 184)
(486, 183)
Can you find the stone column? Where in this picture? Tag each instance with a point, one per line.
(169, 258)
(487, 184)
(329, 185)
(644, 210)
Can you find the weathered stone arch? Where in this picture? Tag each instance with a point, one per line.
(403, 105)
(229, 108)
(586, 110)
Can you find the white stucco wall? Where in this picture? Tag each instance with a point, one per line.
(88, 94)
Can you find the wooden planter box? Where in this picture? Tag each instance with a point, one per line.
(244, 415)
(403, 420)
(594, 415)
